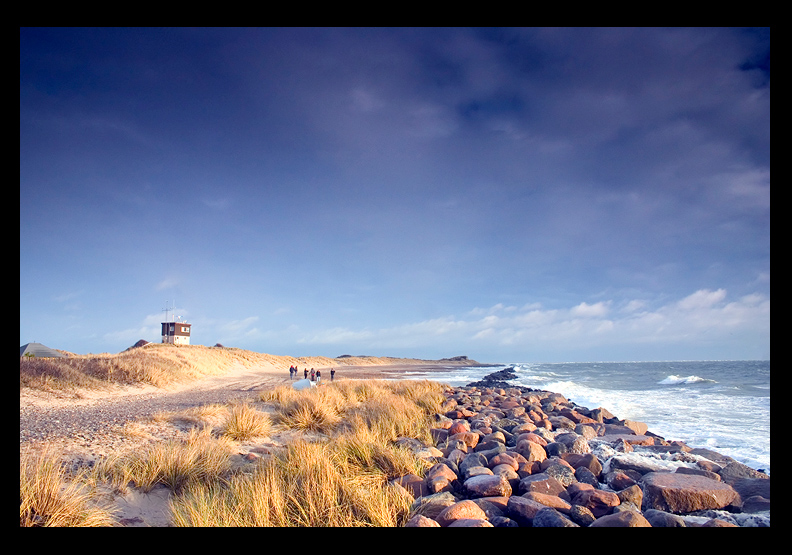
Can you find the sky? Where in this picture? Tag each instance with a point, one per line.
(511, 195)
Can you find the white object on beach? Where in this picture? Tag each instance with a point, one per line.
(303, 384)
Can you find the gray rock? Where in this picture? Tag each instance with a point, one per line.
(551, 518)
(662, 519)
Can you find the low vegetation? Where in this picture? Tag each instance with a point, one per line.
(47, 498)
(336, 473)
(343, 480)
(155, 364)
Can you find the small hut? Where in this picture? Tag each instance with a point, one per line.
(39, 350)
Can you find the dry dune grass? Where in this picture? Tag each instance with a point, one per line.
(201, 457)
(161, 365)
(155, 364)
(48, 499)
(343, 481)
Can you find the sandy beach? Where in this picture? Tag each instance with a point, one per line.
(88, 425)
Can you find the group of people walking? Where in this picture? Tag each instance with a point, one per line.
(316, 375)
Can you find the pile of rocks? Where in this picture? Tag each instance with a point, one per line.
(510, 456)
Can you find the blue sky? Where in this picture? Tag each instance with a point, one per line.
(506, 194)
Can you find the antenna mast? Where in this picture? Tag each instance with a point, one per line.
(166, 310)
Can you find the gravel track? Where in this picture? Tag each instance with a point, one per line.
(96, 418)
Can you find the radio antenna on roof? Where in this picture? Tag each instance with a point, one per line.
(166, 310)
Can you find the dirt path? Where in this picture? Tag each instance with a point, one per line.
(91, 424)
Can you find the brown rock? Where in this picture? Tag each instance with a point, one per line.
(755, 504)
(414, 484)
(577, 487)
(493, 506)
(471, 523)
(439, 435)
(706, 464)
(541, 483)
(531, 451)
(488, 486)
(735, 471)
(509, 473)
(699, 472)
(549, 501)
(619, 480)
(461, 509)
(599, 502)
(523, 510)
(524, 427)
(551, 518)
(503, 458)
(718, 523)
(631, 439)
(588, 460)
(471, 439)
(600, 414)
(420, 521)
(440, 478)
(472, 471)
(684, 493)
(432, 505)
(456, 456)
(622, 519)
(576, 417)
(638, 427)
(581, 515)
(632, 495)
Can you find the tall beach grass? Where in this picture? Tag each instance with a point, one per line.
(48, 499)
(341, 481)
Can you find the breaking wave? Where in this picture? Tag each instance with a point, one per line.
(681, 380)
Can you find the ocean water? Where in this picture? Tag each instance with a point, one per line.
(718, 405)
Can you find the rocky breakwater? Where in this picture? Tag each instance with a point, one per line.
(507, 456)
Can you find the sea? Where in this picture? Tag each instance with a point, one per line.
(720, 405)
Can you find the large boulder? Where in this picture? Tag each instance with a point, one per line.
(599, 502)
(621, 519)
(432, 505)
(522, 510)
(420, 521)
(440, 478)
(662, 519)
(462, 509)
(541, 483)
(488, 486)
(684, 493)
(530, 450)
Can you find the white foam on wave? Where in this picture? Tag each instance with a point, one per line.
(678, 380)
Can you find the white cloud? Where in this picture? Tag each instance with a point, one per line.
(702, 298)
(585, 310)
(167, 283)
(703, 317)
(633, 306)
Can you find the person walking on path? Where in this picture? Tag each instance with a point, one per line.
(291, 372)
(332, 374)
(305, 373)
(313, 375)
(318, 376)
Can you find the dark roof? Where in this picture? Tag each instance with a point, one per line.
(39, 350)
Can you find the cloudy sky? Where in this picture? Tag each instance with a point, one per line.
(506, 194)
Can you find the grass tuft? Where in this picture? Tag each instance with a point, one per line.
(244, 422)
(47, 499)
(201, 457)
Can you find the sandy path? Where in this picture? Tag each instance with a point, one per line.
(90, 423)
